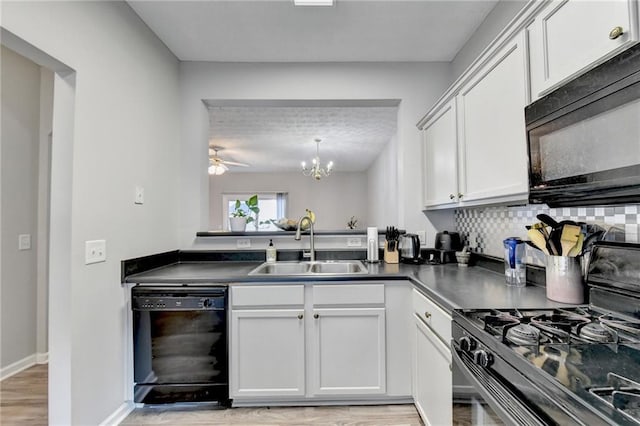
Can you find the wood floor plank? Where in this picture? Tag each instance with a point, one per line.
(23, 398)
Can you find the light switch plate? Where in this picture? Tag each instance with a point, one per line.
(139, 195)
(24, 242)
(243, 243)
(95, 251)
(354, 242)
(422, 235)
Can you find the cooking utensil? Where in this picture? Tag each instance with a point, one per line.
(547, 220)
(569, 237)
(538, 240)
(577, 249)
(543, 229)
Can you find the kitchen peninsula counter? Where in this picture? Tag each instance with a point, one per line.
(450, 286)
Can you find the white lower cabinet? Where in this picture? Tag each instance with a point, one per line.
(268, 347)
(324, 341)
(349, 351)
(432, 377)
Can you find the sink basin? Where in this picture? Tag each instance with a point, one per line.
(296, 268)
(338, 268)
(331, 267)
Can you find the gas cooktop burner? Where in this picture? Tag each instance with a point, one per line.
(523, 334)
(596, 332)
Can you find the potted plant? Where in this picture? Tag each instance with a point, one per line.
(243, 213)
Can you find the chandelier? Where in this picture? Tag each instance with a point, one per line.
(316, 170)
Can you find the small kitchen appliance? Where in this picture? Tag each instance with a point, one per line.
(410, 249)
(577, 365)
(446, 245)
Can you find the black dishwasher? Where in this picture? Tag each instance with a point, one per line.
(180, 344)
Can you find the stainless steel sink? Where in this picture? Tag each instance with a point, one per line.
(330, 267)
(284, 268)
(338, 268)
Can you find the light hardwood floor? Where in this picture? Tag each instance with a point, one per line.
(279, 416)
(23, 401)
(23, 398)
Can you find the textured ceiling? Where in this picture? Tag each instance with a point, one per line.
(278, 138)
(278, 31)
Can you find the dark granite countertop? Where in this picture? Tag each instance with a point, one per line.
(448, 285)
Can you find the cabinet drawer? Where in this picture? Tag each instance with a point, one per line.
(267, 295)
(437, 319)
(348, 294)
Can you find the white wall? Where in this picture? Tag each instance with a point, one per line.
(382, 188)
(492, 25)
(19, 178)
(333, 199)
(416, 85)
(44, 183)
(125, 133)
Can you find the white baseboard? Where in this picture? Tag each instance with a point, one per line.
(17, 366)
(120, 414)
(42, 358)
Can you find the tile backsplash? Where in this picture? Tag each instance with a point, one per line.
(484, 228)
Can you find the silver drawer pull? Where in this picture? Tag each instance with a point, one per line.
(300, 316)
(427, 314)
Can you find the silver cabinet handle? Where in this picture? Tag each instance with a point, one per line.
(300, 316)
(615, 33)
(427, 315)
(460, 195)
(316, 316)
(451, 196)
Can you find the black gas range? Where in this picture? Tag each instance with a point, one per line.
(571, 365)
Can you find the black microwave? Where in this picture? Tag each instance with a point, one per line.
(584, 137)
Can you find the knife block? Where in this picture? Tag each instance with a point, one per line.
(390, 256)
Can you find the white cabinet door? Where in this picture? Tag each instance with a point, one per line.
(440, 163)
(492, 128)
(569, 36)
(349, 351)
(267, 354)
(432, 376)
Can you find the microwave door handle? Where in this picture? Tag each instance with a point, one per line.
(507, 405)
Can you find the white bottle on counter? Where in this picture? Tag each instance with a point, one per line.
(271, 253)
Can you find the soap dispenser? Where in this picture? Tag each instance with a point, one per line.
(271, 252)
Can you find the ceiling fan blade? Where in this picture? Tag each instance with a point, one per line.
(233, 163)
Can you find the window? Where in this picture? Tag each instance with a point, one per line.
(273, 205)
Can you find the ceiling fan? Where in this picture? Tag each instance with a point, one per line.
(217, 165)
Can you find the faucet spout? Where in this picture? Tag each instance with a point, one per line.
(312, 250)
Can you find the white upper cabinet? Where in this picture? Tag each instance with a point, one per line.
(475, 147)
(441, 158)
(570, 36)
(492, 137)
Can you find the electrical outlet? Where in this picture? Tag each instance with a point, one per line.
(243, 243)
(422, 235)
(354, 242)
(139, 195)
(24, 242)
(95, 251)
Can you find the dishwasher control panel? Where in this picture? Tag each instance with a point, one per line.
(172, 303)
